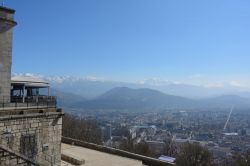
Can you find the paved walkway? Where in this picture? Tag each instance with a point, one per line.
(96, 158)
(64, 163)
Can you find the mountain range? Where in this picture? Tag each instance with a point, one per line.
(66, 99)
(93, 93)
(91, 87)
(144, 99)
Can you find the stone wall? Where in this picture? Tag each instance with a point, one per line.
(7, 20)
(35, 135)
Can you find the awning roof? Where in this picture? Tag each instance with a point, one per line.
(29, 81)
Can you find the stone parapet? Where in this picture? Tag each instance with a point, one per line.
(34, 135)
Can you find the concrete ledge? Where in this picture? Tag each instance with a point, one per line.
(72, 159)
(31, 115)
(27, 110)
(11, 22)
(24, 108)
(9, 10)
(145, 160)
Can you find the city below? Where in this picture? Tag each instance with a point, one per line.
(223, 132)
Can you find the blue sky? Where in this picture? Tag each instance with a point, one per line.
(190, 41)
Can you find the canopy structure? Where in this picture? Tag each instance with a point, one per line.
(26, 87)
(29, 82)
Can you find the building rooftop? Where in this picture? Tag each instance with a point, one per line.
(231, 134)
(29, 81)
(167, 158)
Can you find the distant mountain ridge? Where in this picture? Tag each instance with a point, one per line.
(144, 99)
(123, 98)
(65, 99)
(226, 101)
(91, 87)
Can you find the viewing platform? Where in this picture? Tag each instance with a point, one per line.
(28, 93)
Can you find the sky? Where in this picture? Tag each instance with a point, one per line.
(194, 41)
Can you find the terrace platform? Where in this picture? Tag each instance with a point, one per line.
(97, 158)
(99, 155)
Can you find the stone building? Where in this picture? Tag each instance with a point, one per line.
(30, 123)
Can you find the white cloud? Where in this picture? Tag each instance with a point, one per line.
(155, 82)
(93, 78)
(236, 83)
(59, 79)
(214, 85)
(232, 82)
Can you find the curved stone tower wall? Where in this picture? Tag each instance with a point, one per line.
(6, 25)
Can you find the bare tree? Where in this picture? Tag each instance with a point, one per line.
(194, 155)
(82, 129)
(241, 160)
(170, 148)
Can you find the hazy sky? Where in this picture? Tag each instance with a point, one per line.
(130, 40)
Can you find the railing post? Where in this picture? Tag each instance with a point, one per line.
(55, 101)
(3, 102)
(37, 105)
(48, 102)
(37, 101)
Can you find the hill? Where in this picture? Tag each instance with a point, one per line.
(123, 98)
(128, 99)
(65, 99)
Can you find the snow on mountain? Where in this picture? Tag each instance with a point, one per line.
(91, 87)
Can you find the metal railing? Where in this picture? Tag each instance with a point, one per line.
(29, 101)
